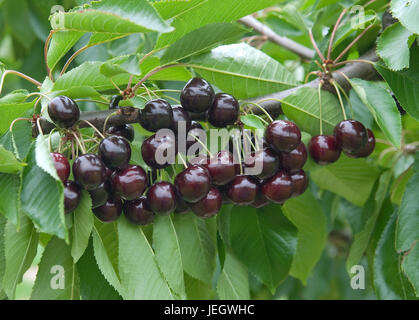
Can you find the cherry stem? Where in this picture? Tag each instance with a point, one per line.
(49, 139)
(38, 94)
(94, 128)
(310, 33)
(47, 41)
(19, 74)
(183, 160)
(16, 120)
(340, 99)
(79, 144)
(346, 97)
(39, 127)
(353, 61)
(105, 123)
(147, 91)
(73, 56)
(263, 110)
(332, 37)
(319, 89)
(239, 153)
(203, 145)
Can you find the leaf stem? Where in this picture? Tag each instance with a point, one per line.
(19, 74)
(332, 37)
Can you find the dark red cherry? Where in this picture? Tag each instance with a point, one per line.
(324, 149)
(157, 114)
(278, 189)
(299, 183)
(264, 162)
(161, 198)
(243, 190)
(100, 195)
(114, 103)
(197, 95)
(201, 159)
(89, 171)
(138, 212)
(181, 118)
(110, 211)
(193, 183)
(260, 200)
(61, 164)
(350, 135)
(193, 133)
(210, 205)
(63, 111)
(149, 150)
(222, 168)
(123, 130)
(224, 110)
(283, 135)
(129, 183)
(366, 150)
(181, 205)
(71, 196)
(294, 160)
(115, 152)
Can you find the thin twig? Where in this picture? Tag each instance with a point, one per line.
(19, 74)
(332, 37)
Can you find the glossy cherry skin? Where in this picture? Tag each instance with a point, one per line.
(110, 211)
(63, 111)
(100, 195)
(129, 183)
(224, 110)
(180, 118)
(161, 198)
(266, 159)
(283, 135)
(114, 103)
(299, 183)
(193, 183)
(201, 159)
(210, 205)
(366, 150)
(61, 164)
(115, 152)
(149, 149)
(260, 201)
(197, 95)
(350, 135)
(294, 160)
(123, 130)
(192, 133)
(243, 190)
(181, 205)
(157, 114)
(278, 189)
(324, 149)
(222, 168)
(138, 212)
(89, 171)
(71, 196)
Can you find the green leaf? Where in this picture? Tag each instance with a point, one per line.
(303, 108)
(10, 188)
(93, 285)
(306, 214)
(198, 290)
(395, 36)
(410, 267)
(20, 250)
(243, 71)
(16, 96)
(10, 112)
(233, 283)
(382, 106)
(8, 162)
(404, 84)
(265, 241)
(196, 247)
(399, 186)
(56, 262)
(252, 121)
(168, 256)
(350, 178)
(406, 11)
(121, 64)
(61, 43)
(2, 253)
(200, 40)
(141, 277)
(82, 226)
(45, 206)
(173, 73)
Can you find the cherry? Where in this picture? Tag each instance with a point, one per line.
(123, 130)
(324, 149)
(299, 183)
(114, 103)
(350, 135)
(366, 150)
(243, 190)
(283, 135)
(278, 189)
(201, 159)
(110, 211)
(192, 133)
(210, 205)
(115, 152)
(181, 205)
(157, 114)
(224, 110)
(266, 159)
(197, 95)
(129, 183)
(193, 183)
(100, 194)
(71, 196)
(61, 164)
(180, 117)
(294, 160)
(89, 171)
(63, 111)
(161, 198)
(149, 149)
(260, 200)
(222, 168)
(138, 212)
